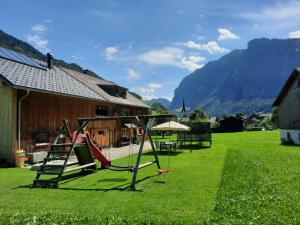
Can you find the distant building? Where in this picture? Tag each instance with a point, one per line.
(231, 124)
(288, 102)
(184, 120)
(212, 120)
(253, 118)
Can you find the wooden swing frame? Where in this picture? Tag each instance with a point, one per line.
(144, 120)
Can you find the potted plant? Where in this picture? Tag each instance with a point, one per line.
(20, 158)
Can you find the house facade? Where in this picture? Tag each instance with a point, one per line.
(288, 103)
(35, 96)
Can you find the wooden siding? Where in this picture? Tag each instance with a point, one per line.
(44, 113)
(7, 124)
(289, 109)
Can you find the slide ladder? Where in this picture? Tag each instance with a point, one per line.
(56, 162)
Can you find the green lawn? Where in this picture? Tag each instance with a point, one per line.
(245, 178)
(260, 181)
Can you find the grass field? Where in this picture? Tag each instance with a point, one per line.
(245, 178)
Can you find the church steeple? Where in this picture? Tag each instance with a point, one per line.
(183, 111)
(184, 118)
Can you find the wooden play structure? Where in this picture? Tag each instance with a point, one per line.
(86, 151)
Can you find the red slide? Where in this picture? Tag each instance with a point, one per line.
(94, 149)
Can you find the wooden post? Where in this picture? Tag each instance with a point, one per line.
(136, 168)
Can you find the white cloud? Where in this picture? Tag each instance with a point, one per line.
(110, 52)
(279, 15)
(191, 63)
(212, 47)
(165, 56)
(225, 34)
(47, 21)
(154, 86)
(148, 97)
(294, 34)
(132, 74)
(39, 28)
(168, 97)
(106, 16)
(37, 37)
(38, 42)
(77, 56)
(173, 57)
(148, 92)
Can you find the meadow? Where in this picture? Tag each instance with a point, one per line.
(244, 178)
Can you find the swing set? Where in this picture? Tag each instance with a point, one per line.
(86, 151)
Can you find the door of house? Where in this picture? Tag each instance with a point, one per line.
(102, 136)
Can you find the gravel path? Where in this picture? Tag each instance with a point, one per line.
(112, 153)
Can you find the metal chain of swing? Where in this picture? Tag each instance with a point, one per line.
(130, 162)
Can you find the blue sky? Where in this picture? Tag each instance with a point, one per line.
(148, 46)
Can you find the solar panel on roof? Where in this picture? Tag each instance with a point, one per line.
(18, 57)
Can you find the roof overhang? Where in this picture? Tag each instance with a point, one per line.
(286, 87)
(55, 93)
(5, 81)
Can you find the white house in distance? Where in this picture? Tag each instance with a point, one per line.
(288, 102)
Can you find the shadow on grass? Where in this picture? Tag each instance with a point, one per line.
(122, 187)
(113, 180)
(72, 177)
(65, 179)
(194, 147)
(163, 153)
(159, 182)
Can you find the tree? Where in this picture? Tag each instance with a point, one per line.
(275, 117)
(198, 115)
(159, 108)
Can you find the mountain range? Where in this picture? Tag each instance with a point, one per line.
(243, 81)
(163, 101)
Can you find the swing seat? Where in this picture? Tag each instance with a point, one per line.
(163, 171)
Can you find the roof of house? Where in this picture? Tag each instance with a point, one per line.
(24, 76)
(286, 87)
(184, 120)
(93, 83)
(61, 81)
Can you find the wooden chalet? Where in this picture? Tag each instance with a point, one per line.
(288, 102)
(231, 124)
(35, 96)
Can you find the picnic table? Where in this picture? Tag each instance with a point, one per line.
(167, 146)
